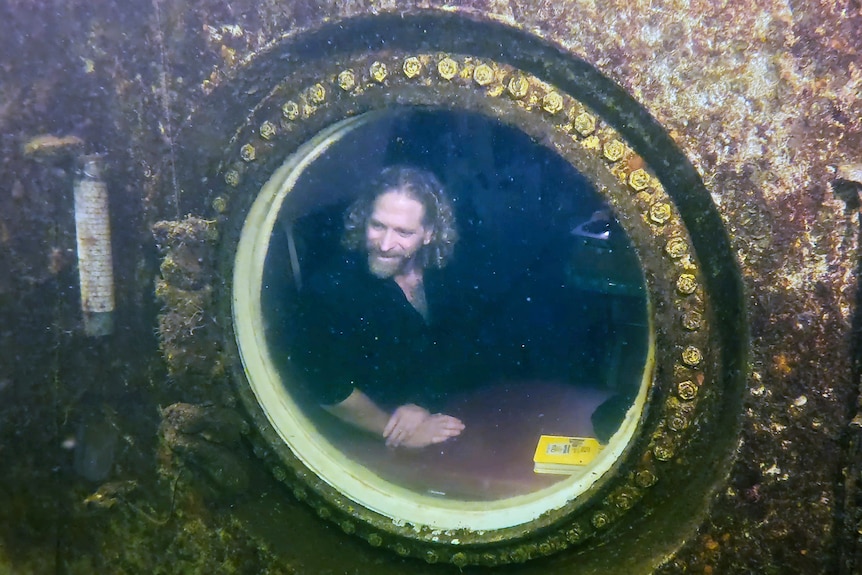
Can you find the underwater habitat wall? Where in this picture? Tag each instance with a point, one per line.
(152, 152)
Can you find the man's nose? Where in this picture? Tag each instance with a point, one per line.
(387, 242)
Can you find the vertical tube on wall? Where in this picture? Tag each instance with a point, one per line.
(93, 230)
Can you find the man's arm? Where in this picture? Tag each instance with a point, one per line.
(409, 425)
(358, 410)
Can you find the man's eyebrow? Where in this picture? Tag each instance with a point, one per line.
(373, 220)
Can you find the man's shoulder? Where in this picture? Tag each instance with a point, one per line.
(336, 274)
(340, 291)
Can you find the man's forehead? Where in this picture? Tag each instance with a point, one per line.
(397, 202)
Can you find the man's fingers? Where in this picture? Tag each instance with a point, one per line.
(447, 417)
(449, 421)
(396, 437)
(445, 427)
(390, 425)
(445, 434)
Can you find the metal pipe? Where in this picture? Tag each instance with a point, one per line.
(95, 269)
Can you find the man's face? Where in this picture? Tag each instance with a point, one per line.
(394, 233)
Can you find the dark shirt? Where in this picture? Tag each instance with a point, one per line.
(359, 331)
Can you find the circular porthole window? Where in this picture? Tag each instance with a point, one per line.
(560, 342)
(536, 333)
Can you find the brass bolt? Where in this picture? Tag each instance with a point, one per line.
(375, 540)
(518, 86)
(447, 68)
(686, 284)
(267, 130)
(290, 110)
(639, 179)
(279, 474)
(678, 422)
(663, 452)
(686, 390)
(489, 559)
(660, 212)
(645, 478)
(402, 550)
(676, 247)
(552, 102)
(412, 67)
(231, 178)
(691, 356)
(459, 559)
(519, 555)
(317, 94)
(247, 153)
(379, 71)
(614, 150)
(585, 124)
(347, 80)
(573, 534)
(600, 519)
(624, 500)
(692, 320)
(483, 74)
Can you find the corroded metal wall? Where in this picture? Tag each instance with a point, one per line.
(764, 101)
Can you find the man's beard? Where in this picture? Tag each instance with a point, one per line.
(386, 267)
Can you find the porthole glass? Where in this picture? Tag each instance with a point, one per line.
(541, 324)
(540, 328)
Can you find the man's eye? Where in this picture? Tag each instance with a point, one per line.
(405, 234)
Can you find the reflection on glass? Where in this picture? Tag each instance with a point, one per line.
(440, 292)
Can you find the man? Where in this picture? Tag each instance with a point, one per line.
(374, 325)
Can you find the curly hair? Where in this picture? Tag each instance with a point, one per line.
(420, 185)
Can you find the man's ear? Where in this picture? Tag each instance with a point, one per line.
(426, 239)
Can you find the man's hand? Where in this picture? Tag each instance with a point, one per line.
(403, 423)
(413, 426)
(436, 429)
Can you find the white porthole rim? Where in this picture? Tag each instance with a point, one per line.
(324, 459)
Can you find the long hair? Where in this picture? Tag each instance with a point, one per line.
(425, 188)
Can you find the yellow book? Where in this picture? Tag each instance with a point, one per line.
(563, 455)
